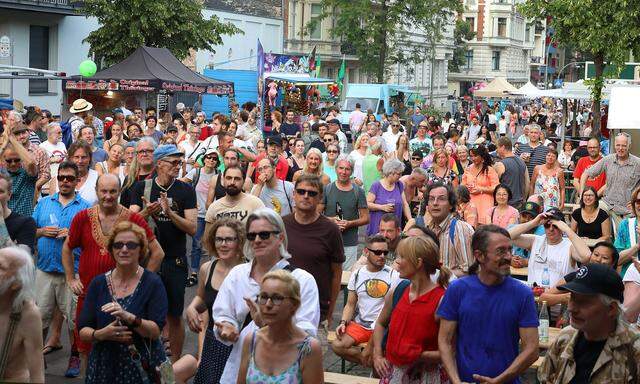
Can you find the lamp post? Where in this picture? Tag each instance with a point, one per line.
(565, 67)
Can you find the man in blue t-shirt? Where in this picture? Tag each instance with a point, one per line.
(486, 314)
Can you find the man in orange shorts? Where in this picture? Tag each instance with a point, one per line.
(367, 288)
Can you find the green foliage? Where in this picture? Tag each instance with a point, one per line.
(177, 25)
(380, 32)
(462, 33)
(607, 30)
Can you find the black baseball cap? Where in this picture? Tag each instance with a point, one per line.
(531, 208)
(593, 279)
(334, 121)
(275, 139)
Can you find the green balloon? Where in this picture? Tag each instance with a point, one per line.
(87, 68)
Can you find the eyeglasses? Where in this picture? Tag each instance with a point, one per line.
(332, 151)
(66, 178)
(328, 140)
(378, 252)
(12, 161)
(416, 158)
(222, 240)
(131, 245)
(303, 192)
(276, 299)
(264, 235)
(145, 151)
(174, 163)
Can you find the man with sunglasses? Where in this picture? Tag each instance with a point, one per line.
(53, 215)
(391, 135)
(23, 172)
(315, 244)
(367, 288)
(552, 256)
(170, 205)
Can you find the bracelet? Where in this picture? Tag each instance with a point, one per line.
(93, 335)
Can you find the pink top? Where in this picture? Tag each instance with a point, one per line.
(473, 179)
(503, 219)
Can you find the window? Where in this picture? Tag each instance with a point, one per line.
(527, 33)
(502, 26)
(495, 60)
(469, 60)
(38, 56)
(472, 22)
(316, 10)
(330, 72)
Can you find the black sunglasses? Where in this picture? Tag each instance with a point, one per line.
(303, 192)
(131, 245)
(66, 178)
(549, 225)
(416, 158)
(12, 161)
(264, 235)
(378, 252)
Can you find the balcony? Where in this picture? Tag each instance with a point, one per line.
(65, 7)
(498, 41)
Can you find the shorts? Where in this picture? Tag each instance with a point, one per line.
(173, 273)
(358, 333)
(51, 292)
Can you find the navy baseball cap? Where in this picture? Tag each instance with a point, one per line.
(531, 208)
(593, 279)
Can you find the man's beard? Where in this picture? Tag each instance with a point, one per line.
(232, 190)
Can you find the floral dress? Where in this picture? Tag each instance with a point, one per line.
(447, 179)
(548, 187)
(292, 375)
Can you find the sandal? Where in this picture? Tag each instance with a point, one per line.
(50, 349)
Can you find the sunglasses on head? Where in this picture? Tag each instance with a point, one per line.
(303, 192)
(378, 252)
(264, 235)
(66, 178)
(131, 245)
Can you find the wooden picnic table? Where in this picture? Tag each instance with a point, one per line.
(520, 272)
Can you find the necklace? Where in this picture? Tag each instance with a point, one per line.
(163, 189)
(124, 288)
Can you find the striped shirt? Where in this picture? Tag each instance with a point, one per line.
(538, 155)
(50, 212)
(454, 254)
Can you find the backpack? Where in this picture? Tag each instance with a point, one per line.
(452, 226)
(67, 135)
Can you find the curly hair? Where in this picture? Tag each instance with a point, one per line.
(127, 226)
(209, 240)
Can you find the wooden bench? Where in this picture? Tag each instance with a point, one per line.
(341, 378)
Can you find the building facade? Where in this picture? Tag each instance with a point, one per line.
(331, 51)
(44, 34)
(502, 46)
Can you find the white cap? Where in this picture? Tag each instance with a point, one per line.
(180, 106)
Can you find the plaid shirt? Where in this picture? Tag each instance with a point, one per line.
(42, 162)
(24, 186)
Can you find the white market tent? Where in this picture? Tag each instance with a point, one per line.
(528, 90)
(578, 90)
(498, 87)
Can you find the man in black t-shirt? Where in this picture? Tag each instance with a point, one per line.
(289, 126)
(171, 208)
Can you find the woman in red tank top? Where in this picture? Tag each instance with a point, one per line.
(408, 316)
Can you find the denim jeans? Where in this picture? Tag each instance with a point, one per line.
(196, 247)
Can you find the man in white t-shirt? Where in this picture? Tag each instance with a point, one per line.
(192, 147)
(391, 135)
(552, 256)
(367, 288)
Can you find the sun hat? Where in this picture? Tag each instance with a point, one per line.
(80, 105)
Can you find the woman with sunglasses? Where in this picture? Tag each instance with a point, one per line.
(235, 312)
(329, 167)
(224, 241)
(481, 179)
(409, 316)
(299, 355)
(123, 314)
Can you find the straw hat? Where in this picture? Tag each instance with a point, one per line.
(80, 105)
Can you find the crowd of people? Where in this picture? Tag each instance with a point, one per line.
(107, 221)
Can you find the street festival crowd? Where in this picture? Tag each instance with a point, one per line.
(427, 216)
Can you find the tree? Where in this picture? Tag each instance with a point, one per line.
(607, 30)
(378, 31)
(462, 33)
(126, 25)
